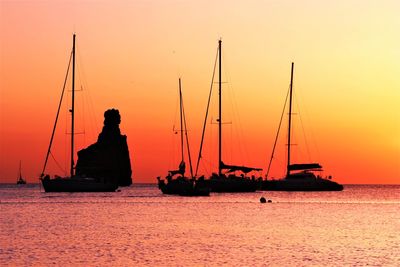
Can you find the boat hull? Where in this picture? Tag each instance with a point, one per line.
(231, 184)
(77, 185)
(183, 187)
(195, 192)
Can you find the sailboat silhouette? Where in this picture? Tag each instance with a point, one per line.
(176, 183)
(299, 177)
(73, 183)
(20, 180)
(226, 180)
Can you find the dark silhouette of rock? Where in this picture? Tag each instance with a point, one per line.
(108, 158)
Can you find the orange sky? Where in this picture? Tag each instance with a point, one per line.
(131, 53)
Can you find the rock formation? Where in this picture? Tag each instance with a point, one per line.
(108, 158)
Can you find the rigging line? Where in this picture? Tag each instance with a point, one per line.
(309, 126)
(231, 142)
(277, 134)
(82, 115)
(187, 139)
(66, 150)
(87, 99)
(172, 150)
(57, 163)
(238, 127)
(58, 112)
(83, 84)
(86, 96)
(181, 120)
(205, 120)
(174, 131)
(175, 112)
(233, 108)
(207, 166)
(84, 120)
(304, 133)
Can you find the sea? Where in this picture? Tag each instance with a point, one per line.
(139, 226)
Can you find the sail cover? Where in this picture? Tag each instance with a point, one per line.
(233, 168)
(304, 166)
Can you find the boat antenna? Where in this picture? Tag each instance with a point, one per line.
(58, 113)
(205, 119)
(73, 106)
(219, 109)
(290, 120)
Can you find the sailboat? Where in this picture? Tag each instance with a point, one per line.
(73, 183)
(20, 180)
(226, 179)
(176, 183)
(299, 176)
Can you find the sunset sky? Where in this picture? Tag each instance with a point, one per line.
(130, 55)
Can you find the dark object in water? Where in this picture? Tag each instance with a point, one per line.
(263, 200)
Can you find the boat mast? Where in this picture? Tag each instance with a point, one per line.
(290, 120)
(220, 110)
(207, 109)
(73, 107)
(186, 135)
(180, 108)
(20, 171)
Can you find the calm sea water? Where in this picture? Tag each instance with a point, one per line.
(139, 226)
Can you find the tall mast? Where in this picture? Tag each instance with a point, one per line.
(180, 108)
(220, 110)
(20, 170)
(73, 107)
(187, 137)
(290, 120)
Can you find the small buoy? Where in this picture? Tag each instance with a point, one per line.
(119, 190)
(263, 200)
(269, 201)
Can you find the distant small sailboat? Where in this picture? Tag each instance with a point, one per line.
(74, 183)
(20, 180)
(182, 185)
(304, 179)
(226, 180)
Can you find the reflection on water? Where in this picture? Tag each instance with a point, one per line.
(140, 226)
